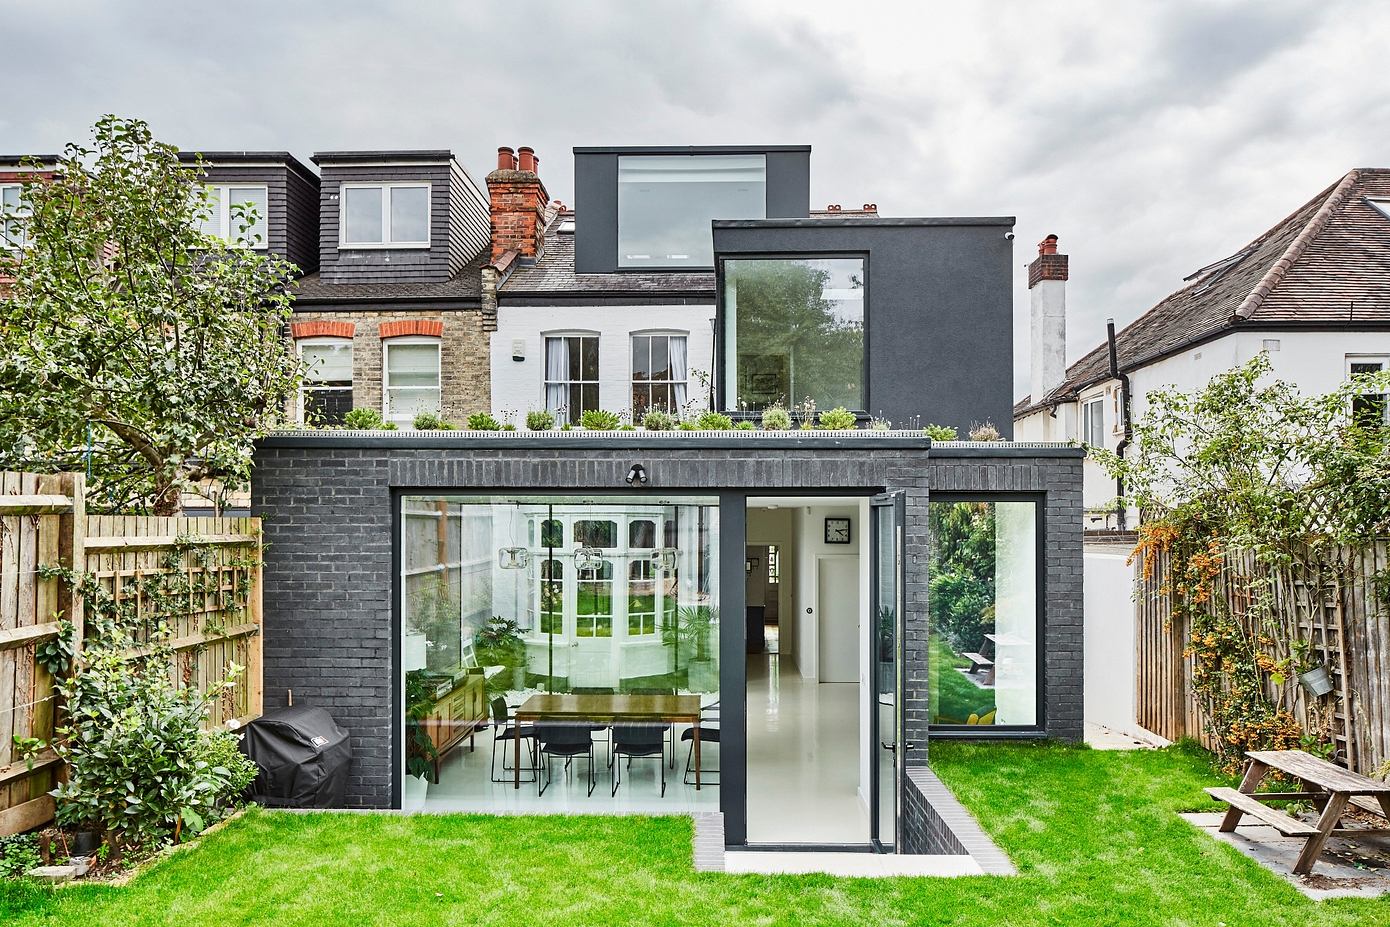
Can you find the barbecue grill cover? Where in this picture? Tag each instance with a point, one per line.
(303, 757)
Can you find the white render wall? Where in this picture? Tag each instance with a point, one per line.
(519, 386)
(1108, 606)
(1316, 361)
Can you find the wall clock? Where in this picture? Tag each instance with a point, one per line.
(837, 531)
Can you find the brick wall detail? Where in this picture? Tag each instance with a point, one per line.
(322, 329)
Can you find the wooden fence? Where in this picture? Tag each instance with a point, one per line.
(1336, 606)
(43, 522)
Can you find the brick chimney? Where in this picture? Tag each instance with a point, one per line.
(518, 200)
(1047, 297)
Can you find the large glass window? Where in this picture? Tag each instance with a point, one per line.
(385, 215)
(666, 204)
(509, 602)
(659, 373)
(571, 375)
(983, 607)
(793, 331)
(238, 214)
(325, 396)
(412, 377)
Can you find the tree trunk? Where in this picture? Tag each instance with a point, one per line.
(169, 501)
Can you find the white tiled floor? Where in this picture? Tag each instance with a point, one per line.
(803, 758)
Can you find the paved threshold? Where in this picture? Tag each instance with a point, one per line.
(863, 865)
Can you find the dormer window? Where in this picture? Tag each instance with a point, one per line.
(12, 213)
(666, 203)
(238, 229)
(385, 215)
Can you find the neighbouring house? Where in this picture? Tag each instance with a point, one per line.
(15, 172)
(771, 624)
(391, 318)
(1313, 292)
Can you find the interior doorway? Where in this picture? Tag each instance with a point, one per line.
(812, 775)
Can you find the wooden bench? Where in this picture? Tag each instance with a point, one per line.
(1242, 803)
(978, 661)
(1370, 805)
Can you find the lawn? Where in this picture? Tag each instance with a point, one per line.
(957, 698)
(1093, 833)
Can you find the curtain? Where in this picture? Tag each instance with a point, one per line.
(679, 374)
(557, 370)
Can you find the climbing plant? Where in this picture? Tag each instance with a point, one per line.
(1239, 482)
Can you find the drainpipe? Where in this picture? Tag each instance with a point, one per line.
(1115, 374)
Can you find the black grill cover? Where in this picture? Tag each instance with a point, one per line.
(303, 756)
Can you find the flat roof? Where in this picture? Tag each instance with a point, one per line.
(860, 222)
(414, 154)
(248, 158)
(690, 149)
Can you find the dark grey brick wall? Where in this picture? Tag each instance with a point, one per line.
(329, 574)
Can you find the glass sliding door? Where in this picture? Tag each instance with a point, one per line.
(887, 565)
(516, 605)
(983, 607)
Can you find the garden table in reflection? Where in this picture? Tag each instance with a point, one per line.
(609, 709)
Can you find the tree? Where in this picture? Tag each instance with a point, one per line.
(131, 343)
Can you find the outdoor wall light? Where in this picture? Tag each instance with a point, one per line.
(513, 558)
(637, 475)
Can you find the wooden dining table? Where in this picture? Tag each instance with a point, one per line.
(610, 709)
(1328, 786)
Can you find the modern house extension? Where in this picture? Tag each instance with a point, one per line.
(769, 624)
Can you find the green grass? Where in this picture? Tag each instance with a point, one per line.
(1094, 835)
(956, 698)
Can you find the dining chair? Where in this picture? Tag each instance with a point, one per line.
(569, 740)
(507, 731)
(638, 741)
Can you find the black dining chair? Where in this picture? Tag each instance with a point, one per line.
(638, 741)
(670, 728)
(708, 735)
(506, 731)
(569, 740)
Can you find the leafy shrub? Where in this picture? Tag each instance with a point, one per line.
(745, 426)
(776, 418)
(429, 421)
(540, 420)
(985, 432)
(367, 419)
(658, 420)
(483, 421)
(509, 427)
(18, 854)
(627, 427)
(838, 419)
(713, 421)
(688, 425)
(941, 433)
(599, 420)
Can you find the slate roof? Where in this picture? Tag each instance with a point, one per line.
(1327, 265)
(464, 285)
(554, 274)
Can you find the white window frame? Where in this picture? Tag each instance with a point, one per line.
(224, 215)
(546, 382)
(23, 241)
(386, 345)
(1097, 403)
(1383, 360)
(387, 241)
(321, 341)
(633, 383)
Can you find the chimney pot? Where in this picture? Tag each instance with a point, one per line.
(871, 207)
(526, 158)
(1048, 245)
(506, 159)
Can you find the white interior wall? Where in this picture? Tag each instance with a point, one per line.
(776, 526)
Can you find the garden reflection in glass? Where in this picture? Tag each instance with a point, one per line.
(982, 602)
(606, 595)
(794, 330)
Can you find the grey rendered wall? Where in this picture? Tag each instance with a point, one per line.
(596, 196)
(329, 573)
(384, 265)
(939, 314)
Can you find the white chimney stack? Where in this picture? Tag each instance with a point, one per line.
(1047, 296)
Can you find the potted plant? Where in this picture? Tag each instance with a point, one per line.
(499, 643)
(420, 752)
(696, 626)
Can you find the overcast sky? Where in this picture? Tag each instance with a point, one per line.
(1153, 138)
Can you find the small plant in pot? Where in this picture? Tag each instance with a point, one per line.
(420, 752)
(499, 643)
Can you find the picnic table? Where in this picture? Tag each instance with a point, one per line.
(1329, 787)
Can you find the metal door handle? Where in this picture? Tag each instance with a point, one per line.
(893, 748)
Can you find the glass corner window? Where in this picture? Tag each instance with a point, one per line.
(793, 331)
(666, 204)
